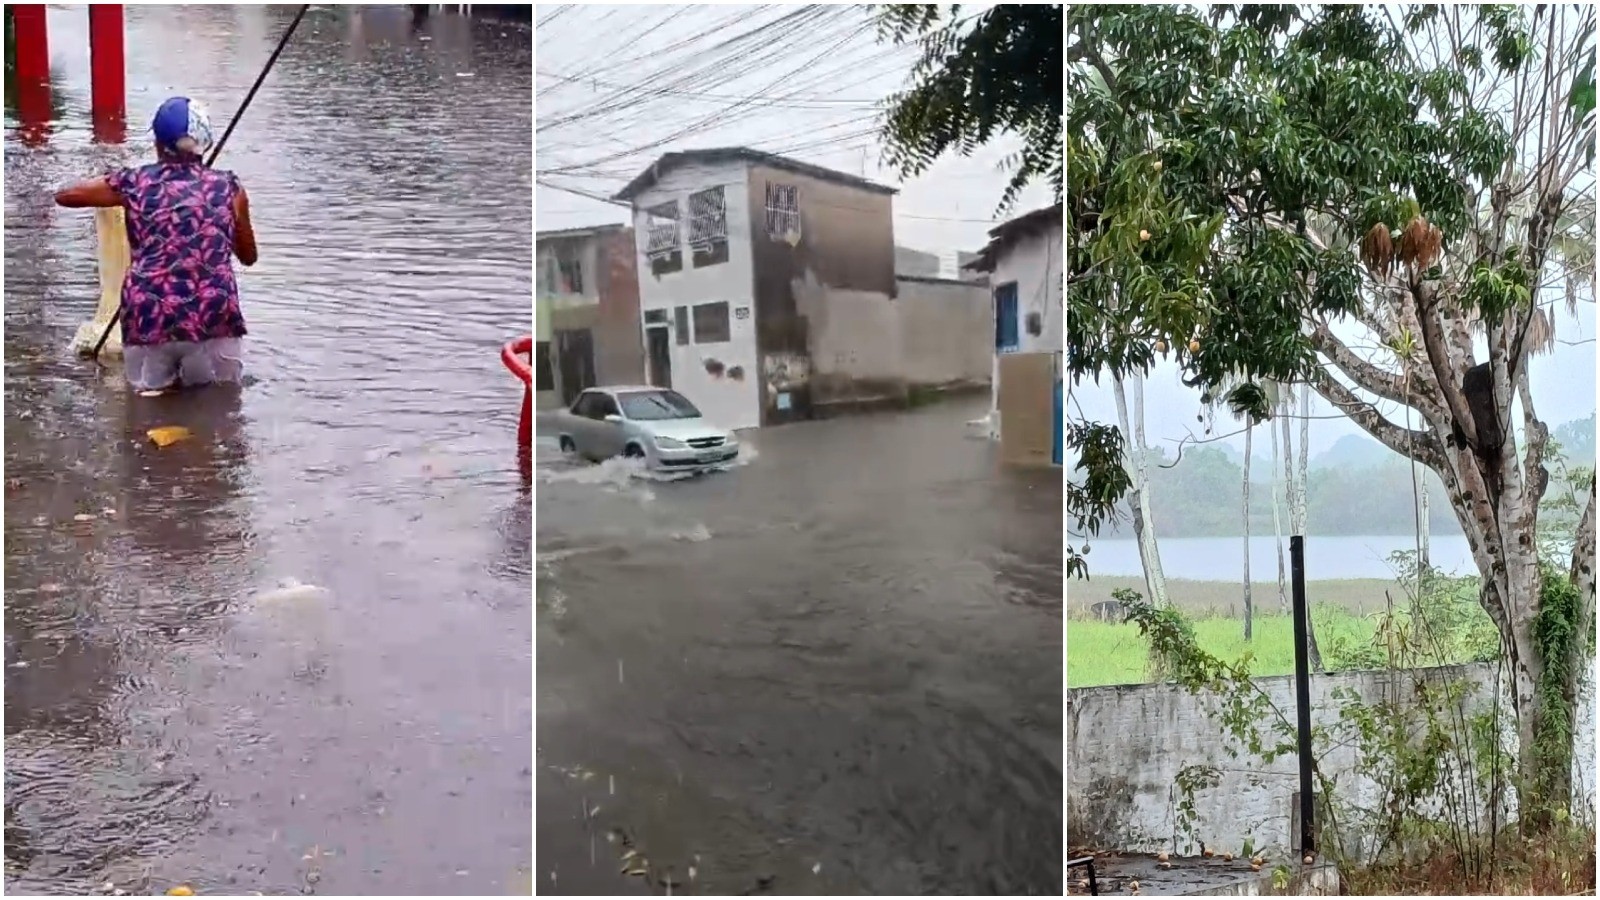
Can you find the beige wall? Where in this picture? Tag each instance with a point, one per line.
(845, 245)
(867, 347)
(947, 332)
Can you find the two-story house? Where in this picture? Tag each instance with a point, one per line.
(587, 310)
(742, 256)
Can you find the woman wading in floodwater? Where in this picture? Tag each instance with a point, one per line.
(181, 323)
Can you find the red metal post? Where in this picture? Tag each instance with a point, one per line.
(34, 112)
(107, 68)
(33, 73)
(33, 43)
(511, 354)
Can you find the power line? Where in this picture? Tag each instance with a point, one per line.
(686, 77)
(821, 102)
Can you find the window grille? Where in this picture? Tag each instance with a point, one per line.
(783, 210)
(661, 229)
(708, 217)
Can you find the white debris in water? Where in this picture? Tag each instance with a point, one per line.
(614, 474)
(694, 535)
(555, 601)
(292, 590)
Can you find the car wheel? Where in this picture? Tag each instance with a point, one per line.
(633, 451)
(567, 446)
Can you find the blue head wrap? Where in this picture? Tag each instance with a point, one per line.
(181, 126)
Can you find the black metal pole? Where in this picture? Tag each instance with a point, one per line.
(232, 123)
(1302, 691)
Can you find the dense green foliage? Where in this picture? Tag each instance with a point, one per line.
(1201, 143)
(980, 75)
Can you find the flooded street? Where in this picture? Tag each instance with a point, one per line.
(833, 668)
(291, 654)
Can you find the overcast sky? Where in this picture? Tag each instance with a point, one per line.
(620, 85)
(1563, 386)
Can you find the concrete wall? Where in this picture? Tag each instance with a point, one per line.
(728, 391)
(846, 244)
(868, 348)
(945, 331)
(1126, 744)
(618, 352)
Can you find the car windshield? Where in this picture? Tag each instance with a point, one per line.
(646, 406)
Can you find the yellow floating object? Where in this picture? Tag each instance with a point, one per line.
(182, 890)
(167, 435)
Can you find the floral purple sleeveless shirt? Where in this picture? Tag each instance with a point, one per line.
(180, 284)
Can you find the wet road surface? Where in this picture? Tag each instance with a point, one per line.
(172, 713)
(834, 668)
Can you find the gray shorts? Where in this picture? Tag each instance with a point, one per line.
(155, 367)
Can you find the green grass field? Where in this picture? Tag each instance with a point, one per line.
(1100, 653)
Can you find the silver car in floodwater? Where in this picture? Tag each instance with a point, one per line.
(655, 424)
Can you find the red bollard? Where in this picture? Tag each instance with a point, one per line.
(107, 71)
(33, 43)
(511, 354)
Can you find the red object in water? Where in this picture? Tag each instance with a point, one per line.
(512, 355)
(33, 112)
(33, 43)
(107, 69)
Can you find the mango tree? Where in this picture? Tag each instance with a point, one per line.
(1312, 195)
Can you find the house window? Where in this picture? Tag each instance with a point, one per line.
(655, 317)
(783, 210)
(662, 238)
(680, 316)
(708, 227)
(711, 323)
(544, 377)
(547, 274)
(1005, 318)
(571, 274)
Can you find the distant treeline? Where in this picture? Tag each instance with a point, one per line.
(1367, 494)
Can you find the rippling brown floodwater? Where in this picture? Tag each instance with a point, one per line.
(834, 669)
(163, 721)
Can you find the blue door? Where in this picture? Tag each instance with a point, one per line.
(1055, 445)
(1006, 328)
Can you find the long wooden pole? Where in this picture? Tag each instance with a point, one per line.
(217, 150)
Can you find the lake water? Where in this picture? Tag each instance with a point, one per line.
(1327, 557)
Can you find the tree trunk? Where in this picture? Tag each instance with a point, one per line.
(1249, 430)
(1277, 520)
(1427, 524)
(1136, 462)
